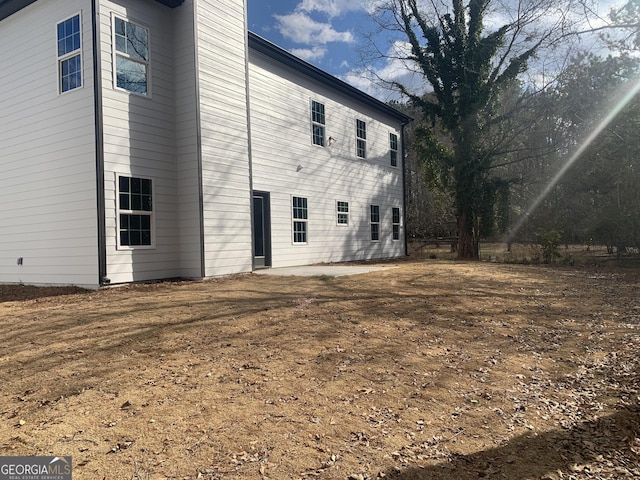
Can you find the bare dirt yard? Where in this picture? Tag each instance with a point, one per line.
(429, 370)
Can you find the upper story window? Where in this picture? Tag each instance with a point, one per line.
(342, 209)
(393, 149)
(131, 44)
(361, 139)
(317, 123)
(69, 54)
(135, 212)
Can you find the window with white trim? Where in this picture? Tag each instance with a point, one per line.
(317, 123)
(361, 138)
(342, 210)
(375, 223)
(69, 39)
(300, 216)
(393, 149)
(131, 56)
(395, 221)
(135, 212)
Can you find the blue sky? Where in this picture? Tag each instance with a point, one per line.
(329, 34)
(325, 33)
(322, 32)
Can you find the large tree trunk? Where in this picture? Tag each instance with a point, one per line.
(468, 244)
(467, 197)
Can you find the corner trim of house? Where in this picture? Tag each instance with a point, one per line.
(203, 268)
(97, 103)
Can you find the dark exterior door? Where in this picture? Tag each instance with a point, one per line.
(261, 230)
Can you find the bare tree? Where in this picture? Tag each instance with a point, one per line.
(468, 70)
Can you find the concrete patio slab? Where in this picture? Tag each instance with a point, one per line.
(319, 270)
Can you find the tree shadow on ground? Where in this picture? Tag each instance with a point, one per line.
(606, 447)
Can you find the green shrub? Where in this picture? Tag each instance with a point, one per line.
(550, 244)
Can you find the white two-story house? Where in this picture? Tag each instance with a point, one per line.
(153, 139)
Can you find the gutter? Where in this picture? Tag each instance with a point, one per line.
(271, 50)
(404, 189)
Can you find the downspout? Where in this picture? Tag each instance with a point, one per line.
(99, 138)
(249, 137)
(404, 189)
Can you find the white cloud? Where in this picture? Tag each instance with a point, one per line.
(301, 28)
(332, 8)
(309, 54)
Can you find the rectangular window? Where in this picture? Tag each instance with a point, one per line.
(300, 216)
(69, 54)
(317, 123)
(342, 209)
(131, 45)
(135, 211)
(395, 215)
(375, 223)
(393, 149)
(361, 139)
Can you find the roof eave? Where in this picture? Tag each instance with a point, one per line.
(9, 7)
(271, 50)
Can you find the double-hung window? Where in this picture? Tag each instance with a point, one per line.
(393, 149)
(300, 217)
(135, 212)
(131, 45)
(395, 220)
(342, 209)
(317, 123)
(69, 38)
(361, 139)
(375, 223)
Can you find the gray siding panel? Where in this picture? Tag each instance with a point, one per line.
(140, 140)
(286, 163)
(47, 153)
(223, 125)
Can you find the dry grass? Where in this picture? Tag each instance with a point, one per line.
(431, 370)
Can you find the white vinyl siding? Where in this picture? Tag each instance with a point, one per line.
(187, 168)
(286, 163)
(202, 201)
(47, 153)
(140, 142)
(221, 79)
